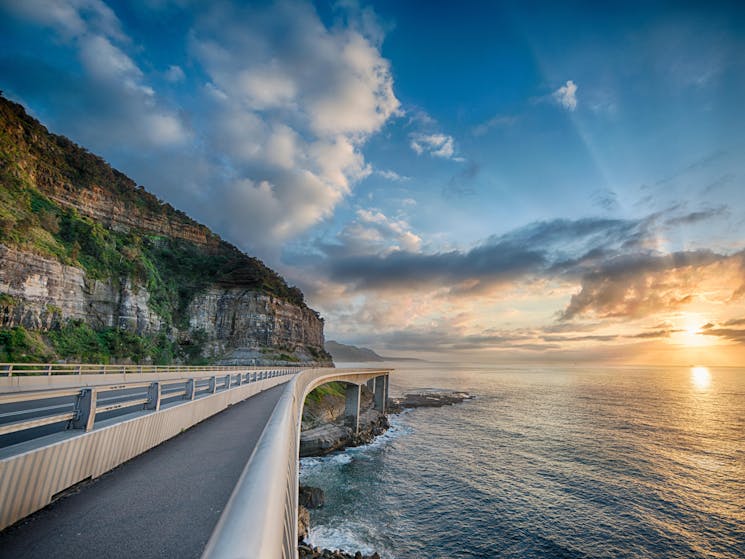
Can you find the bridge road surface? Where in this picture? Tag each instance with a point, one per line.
(161, 504)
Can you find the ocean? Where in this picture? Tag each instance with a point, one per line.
(546, 462)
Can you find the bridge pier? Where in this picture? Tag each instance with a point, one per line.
(381, 392)
(352, 405)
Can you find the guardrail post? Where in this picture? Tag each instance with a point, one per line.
(213, 385)
(10, 370)
(379, 388)
(49, 371)
(85, 410)
(227, 382)
(153, 397)
(352, 405)
(190, 389)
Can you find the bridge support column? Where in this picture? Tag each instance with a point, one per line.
(352, 405)
(381, 388)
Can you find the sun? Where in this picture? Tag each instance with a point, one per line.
(691, 332)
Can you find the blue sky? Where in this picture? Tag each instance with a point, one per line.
(530, 180)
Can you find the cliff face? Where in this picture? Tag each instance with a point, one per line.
(41, 294)
(88, 257)
(244, 325)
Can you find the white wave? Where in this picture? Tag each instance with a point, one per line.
(345, 536)
(397, 429)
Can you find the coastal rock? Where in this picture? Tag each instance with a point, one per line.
(310, 497)
(303, 523)
(325, 439)
(307, 552)
(426, 400)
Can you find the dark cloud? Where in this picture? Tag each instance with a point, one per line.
(445, 340)
(726, 331)
(653, 334)
(696, 217)
(637, 285)
(539, 249)
(605, 199)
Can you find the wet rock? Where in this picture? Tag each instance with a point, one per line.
(426, 400)
(310, 497)
(303, 523)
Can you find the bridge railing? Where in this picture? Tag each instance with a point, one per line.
(80, 406)
(260, 519)
(50, 369)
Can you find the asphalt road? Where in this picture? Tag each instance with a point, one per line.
(164, 503)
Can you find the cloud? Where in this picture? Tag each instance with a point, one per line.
(726, 331)
(372, 232)
(697, 216)
(498, 121)
(638, 285)
(174, 74)
(294, 103)
(72, 19)
(112, 103)
(605, 199)
(566, 95)
(391, 175)
(436, 145)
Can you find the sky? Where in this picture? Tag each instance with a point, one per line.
(506, 181)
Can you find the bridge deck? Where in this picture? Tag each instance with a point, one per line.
(164, 503)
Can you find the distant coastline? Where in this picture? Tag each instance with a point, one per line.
(345, 353)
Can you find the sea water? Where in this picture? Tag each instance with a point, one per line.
(547, 462)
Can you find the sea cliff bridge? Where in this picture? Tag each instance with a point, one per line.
(227, 487)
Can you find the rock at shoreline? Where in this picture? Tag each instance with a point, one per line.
(310, 497)
(327, 438)
(308, 552)
(303, 523)
(426, 400)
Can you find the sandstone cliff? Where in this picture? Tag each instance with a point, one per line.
(94, 267)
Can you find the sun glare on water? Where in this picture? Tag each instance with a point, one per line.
(701, 377)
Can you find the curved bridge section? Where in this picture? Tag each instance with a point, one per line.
(260, 520)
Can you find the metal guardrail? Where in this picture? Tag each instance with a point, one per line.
(94, 400)
(260, 519)
(50, 369)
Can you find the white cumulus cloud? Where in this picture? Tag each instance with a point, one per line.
(566, 95)
(437, 145)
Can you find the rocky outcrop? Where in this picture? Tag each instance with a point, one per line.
(310, 497)
(327, 438)
(308, 552)
(426, 400)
